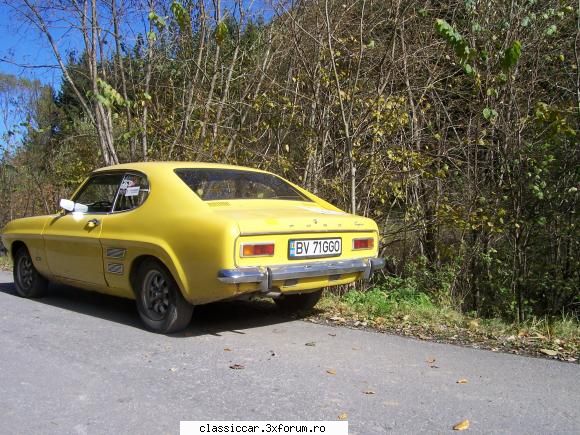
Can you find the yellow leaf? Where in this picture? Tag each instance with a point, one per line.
(462, 381)
(549, 352)
(462, 425)
(368, 392)
(343, 416)
(331, 372)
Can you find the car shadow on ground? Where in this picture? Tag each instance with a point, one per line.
(211, 319)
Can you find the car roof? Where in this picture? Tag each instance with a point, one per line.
(148, 167)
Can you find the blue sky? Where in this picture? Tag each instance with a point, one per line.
(22, 45)
(26, 53)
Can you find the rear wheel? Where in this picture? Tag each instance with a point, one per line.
(27, 281)
(160, 303)
(298, 302)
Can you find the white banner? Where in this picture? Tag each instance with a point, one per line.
(263, 427)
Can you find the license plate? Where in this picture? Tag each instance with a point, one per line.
(309, 248)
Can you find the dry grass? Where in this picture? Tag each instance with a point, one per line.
(5, 263)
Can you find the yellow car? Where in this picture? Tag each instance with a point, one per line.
(172, 235)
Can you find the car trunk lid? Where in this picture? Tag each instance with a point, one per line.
(281, 217)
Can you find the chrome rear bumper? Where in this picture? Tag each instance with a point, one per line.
(266, 275)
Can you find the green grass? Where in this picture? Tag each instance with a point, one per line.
(396, 306)
(391, 307)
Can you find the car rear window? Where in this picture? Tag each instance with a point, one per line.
(226, 184)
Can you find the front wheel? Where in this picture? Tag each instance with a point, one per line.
(298, 302)
(27, 281)
(160, 303)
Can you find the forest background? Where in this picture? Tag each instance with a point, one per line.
(453, 124)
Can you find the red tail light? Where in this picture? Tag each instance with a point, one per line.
(367, 243)
(257, 249)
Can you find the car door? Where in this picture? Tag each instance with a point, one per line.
(72, 240)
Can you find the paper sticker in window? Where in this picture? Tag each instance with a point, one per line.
(132, 191)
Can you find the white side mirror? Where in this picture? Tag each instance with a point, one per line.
(67, 204)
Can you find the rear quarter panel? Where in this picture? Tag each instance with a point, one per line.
(177, 228)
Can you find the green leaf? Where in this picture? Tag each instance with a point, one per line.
(489, 114)
(511, 56)
(551, 30)
(455, 40)
(181, 15)
(221, 32)
(158, 21)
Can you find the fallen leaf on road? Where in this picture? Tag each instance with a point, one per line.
(431, 360)
(237, 366)
(356, 348)
(462, 425)
(462, 381)
(549, 352)
(343, 416)
(172, 369)
(368, 392)
(227, 349)
(332, 335)
(272, 353)
(310, 343)
(331, 372)
(433, 366)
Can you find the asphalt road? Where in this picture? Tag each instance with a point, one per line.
(77, 363)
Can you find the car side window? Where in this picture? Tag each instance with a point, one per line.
(133, 192)
(99, 192)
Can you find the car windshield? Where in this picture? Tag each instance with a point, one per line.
(226, 184)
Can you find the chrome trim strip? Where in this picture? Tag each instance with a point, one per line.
(294, 232)
(265, 276)
(245, 275)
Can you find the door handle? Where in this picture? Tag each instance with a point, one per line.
(93, 223)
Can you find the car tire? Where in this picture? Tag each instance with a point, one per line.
(298, 302)
(161, 305)
(27, 281)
